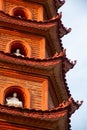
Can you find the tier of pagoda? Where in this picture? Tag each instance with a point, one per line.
(34, 94)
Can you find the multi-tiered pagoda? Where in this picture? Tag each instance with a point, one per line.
(33, 91)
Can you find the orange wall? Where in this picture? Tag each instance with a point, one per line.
(36, 43)
(36, 10)
(34, 89)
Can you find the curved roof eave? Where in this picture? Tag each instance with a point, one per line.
(44, 114)
(62, 29)
(55, 113)
(69, 64)
(43, 117)
(44, 25)
(47, 63)
(34, 118)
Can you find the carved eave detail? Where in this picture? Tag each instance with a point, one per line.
(74, 105)
(59, 3)
(33, 62)
(63, 30)
(39, 118)
(68, 64)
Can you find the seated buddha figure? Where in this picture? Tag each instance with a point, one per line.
(14, 101)
(17, 53)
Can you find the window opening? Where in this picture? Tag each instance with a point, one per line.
(20, 13)
(18, 49)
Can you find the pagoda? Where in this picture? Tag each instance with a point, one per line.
(34, 94)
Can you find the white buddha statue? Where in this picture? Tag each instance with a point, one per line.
(14, 101)
(17, 53)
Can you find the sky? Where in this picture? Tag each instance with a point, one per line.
(74, 15)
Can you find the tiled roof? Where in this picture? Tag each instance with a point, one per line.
(29, 116)
(42, 25)
(29, 23)
(34, 62)
(37, 114)
(47, 62)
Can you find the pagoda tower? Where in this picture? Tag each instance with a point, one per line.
(34, 94)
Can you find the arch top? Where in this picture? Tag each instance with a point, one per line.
(19, 48)
(21, 12)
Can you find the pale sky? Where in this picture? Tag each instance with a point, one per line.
(74, 15)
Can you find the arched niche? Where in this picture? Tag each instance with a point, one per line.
(21, 12)
(9, 95)
(24, 48)
(22, 94)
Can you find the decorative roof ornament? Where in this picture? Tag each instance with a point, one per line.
(59, 3)
(63, 53)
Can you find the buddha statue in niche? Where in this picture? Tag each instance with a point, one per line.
(17, 53)
(14, 101)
